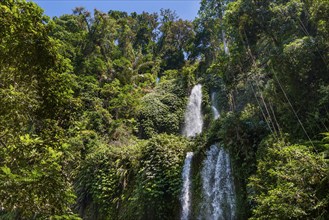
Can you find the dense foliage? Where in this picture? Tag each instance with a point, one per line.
(290, 182)
(36, 97)
(117, 181)
(92, 107)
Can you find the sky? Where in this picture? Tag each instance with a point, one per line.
(185, 9)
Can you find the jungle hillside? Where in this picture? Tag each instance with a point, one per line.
(94, 107)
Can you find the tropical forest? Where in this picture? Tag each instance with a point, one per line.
(110, 115)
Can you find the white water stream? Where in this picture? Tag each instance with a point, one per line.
(193, 126)
(186, 190)
(193, 115)
(213, 107)
(217, 182)
(217, 186)
(218, 194)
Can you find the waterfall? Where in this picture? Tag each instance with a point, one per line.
(215, 112)
(193, 116)
(217, 186)
(186, 190)
(218, 195)
(213, 106)
(226, 50)
(193, 126)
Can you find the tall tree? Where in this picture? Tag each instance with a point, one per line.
(35, 95)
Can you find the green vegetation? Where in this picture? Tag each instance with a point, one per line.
(290, 181)
(140, 180)
(87, 132)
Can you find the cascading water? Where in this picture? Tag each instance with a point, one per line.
(193, 126)
(217, 186)
(193, 116)
(217, 182)
(226, 50)
(213, 107)
(186, 190)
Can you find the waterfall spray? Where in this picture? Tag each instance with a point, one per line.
(186, 190)
(213, 106)
(217, 186)
(193, 126)
(218, 195)
(193, 116)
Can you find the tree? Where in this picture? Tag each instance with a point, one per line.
(36, 104)
(290, 183)
(174, 42)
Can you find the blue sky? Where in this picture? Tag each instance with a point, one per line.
(186, 9)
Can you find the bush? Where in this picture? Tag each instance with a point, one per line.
(162, 111)
(138, 181)
(103, 180)
(159, 177)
